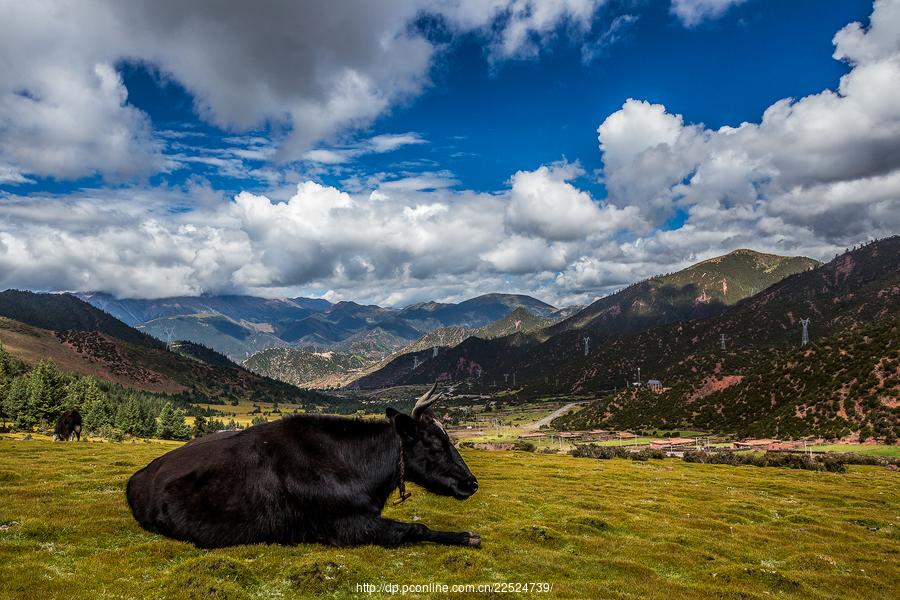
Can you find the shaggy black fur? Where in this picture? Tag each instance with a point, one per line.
(68, 426)
(300, 479)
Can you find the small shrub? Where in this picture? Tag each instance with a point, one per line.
(602, 452)
(524, 446)
(788, 460)
(647, 454)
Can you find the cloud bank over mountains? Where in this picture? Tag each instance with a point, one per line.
(813, 175)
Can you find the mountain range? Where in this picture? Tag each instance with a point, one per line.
(239, 326)
(557, 353)
(317, 369)
(722, 335)
(742, 370)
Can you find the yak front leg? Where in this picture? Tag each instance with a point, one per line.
(388, 532)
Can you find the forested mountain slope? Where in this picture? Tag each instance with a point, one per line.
(842, 384)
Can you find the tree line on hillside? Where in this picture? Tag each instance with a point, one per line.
(34, 398)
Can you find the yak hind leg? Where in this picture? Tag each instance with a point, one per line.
(388, 532)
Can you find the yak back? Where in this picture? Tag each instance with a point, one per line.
(281, 482)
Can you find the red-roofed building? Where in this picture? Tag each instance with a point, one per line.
(756, 444)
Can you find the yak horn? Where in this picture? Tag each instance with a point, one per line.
(426, 400)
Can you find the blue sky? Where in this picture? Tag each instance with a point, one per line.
(458, 116)
(484, 122)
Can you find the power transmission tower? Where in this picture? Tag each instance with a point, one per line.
(805, 339)
(415, 362)
(722, 339)
(169, 332)
(587, 345)
(434, 352)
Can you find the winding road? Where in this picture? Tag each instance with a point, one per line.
(556, 413)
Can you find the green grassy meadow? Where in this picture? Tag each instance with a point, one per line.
(592, 529)
(866, 449)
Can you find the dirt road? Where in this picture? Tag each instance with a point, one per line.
(556, 413)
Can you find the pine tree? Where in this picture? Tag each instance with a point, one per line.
(128, 417)
(164, 427)
(16, 404)
(200, 427)
(46, 392)
(96, 411)
(171, 425)
(148, 413)
(182, 431)
(81, 392)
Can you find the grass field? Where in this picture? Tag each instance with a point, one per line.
(242, 413)
(871, 450)
(592, 529)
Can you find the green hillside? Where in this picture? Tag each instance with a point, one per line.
(401, 364)
(61, 312)
(847, 383)
(302, 367)
(699, 291)
(82, 339)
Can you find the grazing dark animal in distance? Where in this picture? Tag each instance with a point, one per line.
(68, 426)
(303, 479)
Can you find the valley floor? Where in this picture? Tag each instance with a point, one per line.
(592, 529)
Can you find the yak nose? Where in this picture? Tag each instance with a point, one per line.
(473, 484)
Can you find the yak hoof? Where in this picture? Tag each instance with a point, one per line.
(474, 540)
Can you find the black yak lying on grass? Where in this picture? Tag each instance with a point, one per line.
(303, 479)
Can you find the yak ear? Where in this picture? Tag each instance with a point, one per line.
(403, 423)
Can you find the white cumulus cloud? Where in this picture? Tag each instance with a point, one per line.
(841, 146)
(694, 12)
(307, 70)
